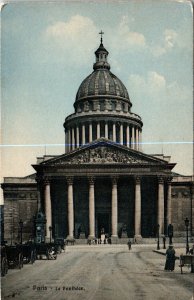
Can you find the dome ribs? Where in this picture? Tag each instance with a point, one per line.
(96, 83)
(101, 83)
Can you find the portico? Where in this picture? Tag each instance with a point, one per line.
(106, 178)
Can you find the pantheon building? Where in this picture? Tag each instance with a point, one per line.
(103, 182)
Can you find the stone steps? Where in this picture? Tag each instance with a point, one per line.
(123, 241)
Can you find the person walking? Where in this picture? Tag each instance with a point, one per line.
(170, 259)
(129, 244)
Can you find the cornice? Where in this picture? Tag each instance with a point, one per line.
(77, 119)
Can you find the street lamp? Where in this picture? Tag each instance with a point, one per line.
(50, 229)
(187, 232)
(21, 229)
(158, 232)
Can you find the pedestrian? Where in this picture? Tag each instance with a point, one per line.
(129, 244)
(191, 251)
(170, 259)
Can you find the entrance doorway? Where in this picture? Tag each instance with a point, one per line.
(103, 223)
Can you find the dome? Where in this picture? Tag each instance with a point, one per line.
(102, 109)
(102, 83)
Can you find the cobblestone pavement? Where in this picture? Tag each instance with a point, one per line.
(100, 272)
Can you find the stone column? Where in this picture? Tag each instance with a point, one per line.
(106, 130)
(66, 141)
(90, 132)
(169, 202)
(98, 130)
(114, 209)
(137, 139)
(161, 204)
(114, 132)
(133, 138)
(140, 140)
(39, 184)
(83, 135)
(69, 139)
(77, 136)
(127, 136)
(137, 209)
(73, 138)
(70, 208)
(47, 204)
(91, 208)
(121, 134)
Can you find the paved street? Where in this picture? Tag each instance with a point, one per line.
(100, 272)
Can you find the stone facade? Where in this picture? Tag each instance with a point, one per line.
(20, 202)
(81, 196)
(182, 203)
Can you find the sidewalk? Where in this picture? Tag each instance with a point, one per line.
(179, 249)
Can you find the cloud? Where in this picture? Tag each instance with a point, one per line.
(169, 41)
(156, 81)
(72, 40)
(152, 83)
(77, 39)
(71, 30)
(154, 87)
(129, 37)
(170, 38)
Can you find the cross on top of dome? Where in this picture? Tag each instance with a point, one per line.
(101, 32)
(101, 56)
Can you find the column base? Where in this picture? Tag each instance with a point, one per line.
(70, 238)
(91, 237)
(124, 235)
(92, 240)
(137, 239)
(114, 239)
(82, 235)
(47, 239)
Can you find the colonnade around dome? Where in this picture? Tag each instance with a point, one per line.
(118, 132)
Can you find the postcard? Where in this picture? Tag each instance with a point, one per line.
(97, 150)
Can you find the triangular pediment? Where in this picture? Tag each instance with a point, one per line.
(103, 151)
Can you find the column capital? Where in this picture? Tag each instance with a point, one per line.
(46, 180)
(69, 180)
(91, 180)
(169, 179)
(160, 179)
(137, 179)
(114, 179)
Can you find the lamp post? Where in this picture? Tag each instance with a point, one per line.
(50, 229)
(21, 229)
(187, 233)
(158, 233)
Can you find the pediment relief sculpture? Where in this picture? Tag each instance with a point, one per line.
(102, 155)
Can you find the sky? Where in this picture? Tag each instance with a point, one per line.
(47, 49)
